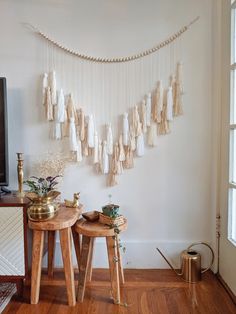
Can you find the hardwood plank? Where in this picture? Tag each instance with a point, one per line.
(155, 291)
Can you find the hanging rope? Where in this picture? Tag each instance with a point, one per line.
(120, 59)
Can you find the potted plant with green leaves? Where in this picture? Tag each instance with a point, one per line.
(42, 195)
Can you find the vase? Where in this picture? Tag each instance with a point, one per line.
(42, 207)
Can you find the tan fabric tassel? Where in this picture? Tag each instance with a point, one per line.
(132, 139)
(45, 85)
(85, 143)
(159, 102)
(65, 125)
(114, 166)
(71, 111)
(143, 116)
(121, 149)
(178, 106)
(151, 134)
(129, 158)
(53, 86)
(48, 105)
(81, 119)
(163, 127)
(173, 85)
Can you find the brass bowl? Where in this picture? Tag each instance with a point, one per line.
(42, 207)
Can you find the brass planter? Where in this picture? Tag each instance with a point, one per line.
(42, 207)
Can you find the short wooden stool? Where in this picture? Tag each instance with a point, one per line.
(89, 231)
(63, 221)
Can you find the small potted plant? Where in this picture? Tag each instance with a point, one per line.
(110, 214)
(42, 195)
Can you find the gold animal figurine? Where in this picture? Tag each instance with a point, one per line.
(75, 202)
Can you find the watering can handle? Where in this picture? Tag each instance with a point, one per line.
(212, 254)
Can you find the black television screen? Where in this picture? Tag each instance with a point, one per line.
(3, 133)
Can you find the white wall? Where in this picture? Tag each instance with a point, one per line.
(167, 196)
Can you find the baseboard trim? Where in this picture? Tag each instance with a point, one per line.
(227, 288)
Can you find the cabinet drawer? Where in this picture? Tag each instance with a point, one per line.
(12, 257)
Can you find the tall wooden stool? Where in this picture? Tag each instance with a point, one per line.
(89, 231)
(64, 221)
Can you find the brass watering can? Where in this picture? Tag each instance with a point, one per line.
(191, 270)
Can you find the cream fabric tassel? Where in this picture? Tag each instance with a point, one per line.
(140, 145)
(61, 107)
(95, 151)
(105, 159)
(151, 136)
(45, 85)
(121, 149)
(149, 109)
(57, 124)
(109, 139)
(159, 102)
(169, 114)
(53, 86)
(129, 158)
(178, 110)
(125, 129)
(91, 132)
(79, 152)
(48, 105)
(144, 116)
(72, 136)
(136, 122)
(132, 139)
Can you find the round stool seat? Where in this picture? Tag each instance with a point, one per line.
(97, 229)
(65, 218)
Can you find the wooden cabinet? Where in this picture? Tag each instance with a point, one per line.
(13, 240)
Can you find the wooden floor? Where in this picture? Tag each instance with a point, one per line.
(145, 291)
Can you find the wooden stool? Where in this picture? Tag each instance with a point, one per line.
(89, 231)
(63, 221)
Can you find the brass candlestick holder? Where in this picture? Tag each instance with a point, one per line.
(20, 174)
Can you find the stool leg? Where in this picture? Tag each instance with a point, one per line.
(38, 239)
(65, 239)
(84, 264)
(51, 250)
(90, 266)
(77, 244)
(121, 271)
(114, 271)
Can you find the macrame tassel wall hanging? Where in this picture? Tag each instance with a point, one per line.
(109, 109)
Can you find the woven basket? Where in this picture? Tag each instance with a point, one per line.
(106, 220)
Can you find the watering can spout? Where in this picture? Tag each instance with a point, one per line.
(177, 273)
